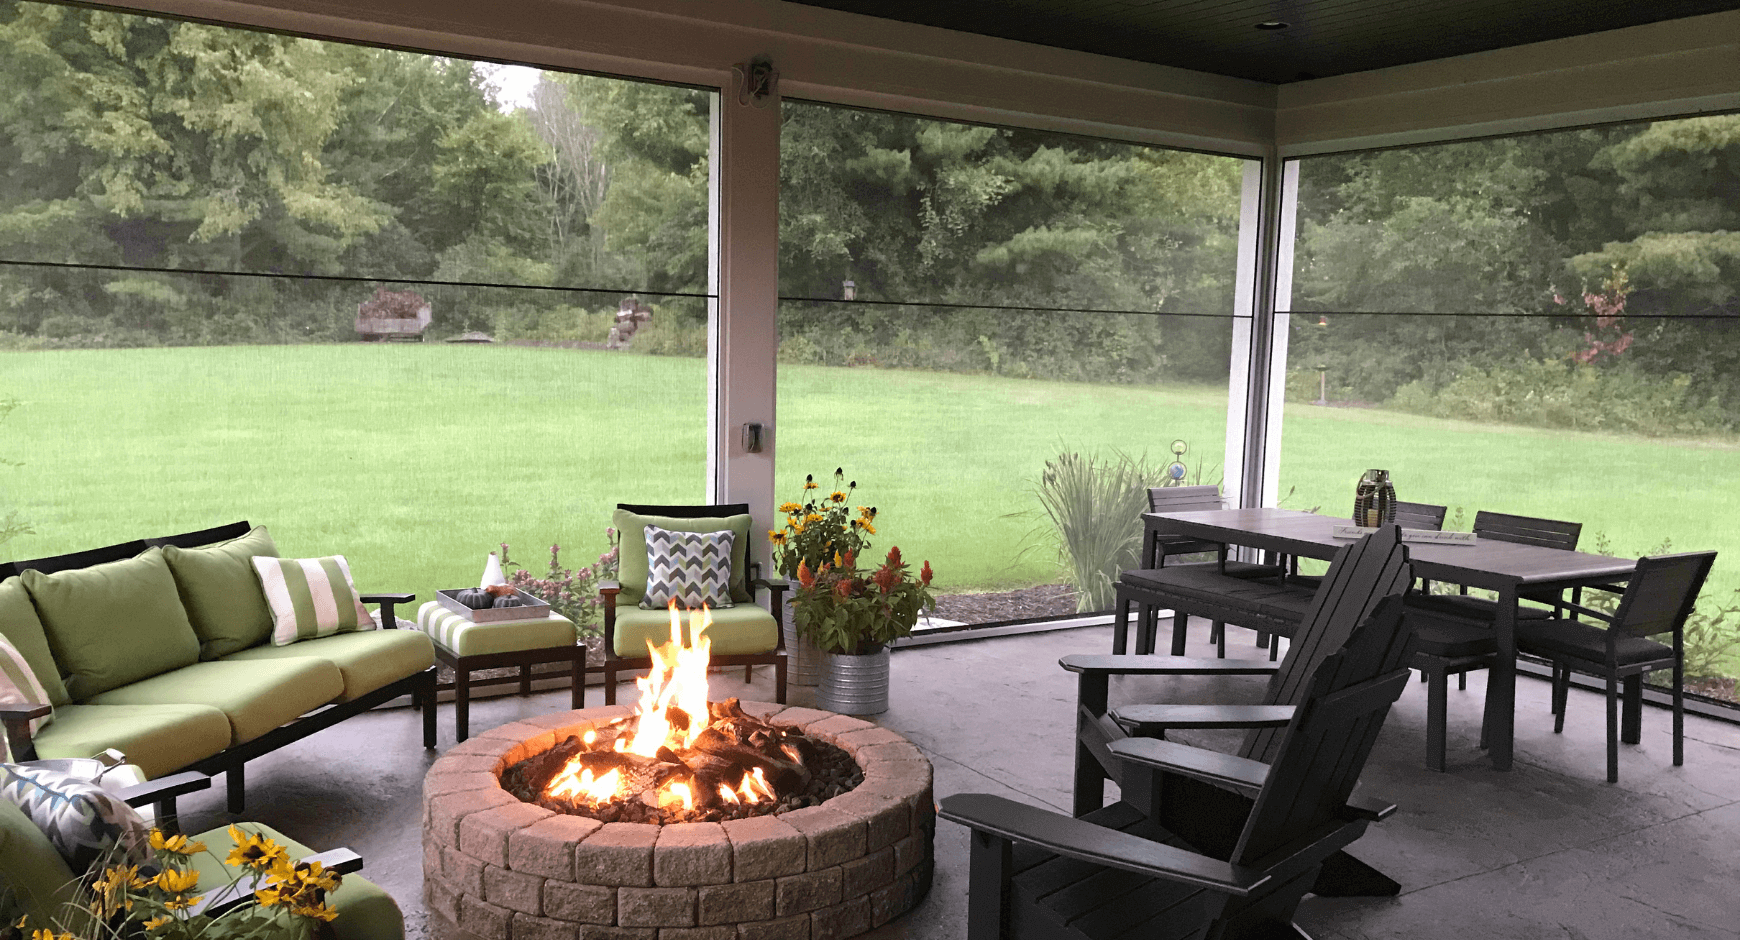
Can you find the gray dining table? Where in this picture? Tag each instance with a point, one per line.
(1507, 568)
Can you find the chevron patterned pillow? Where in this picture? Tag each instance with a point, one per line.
(85, 822)
(692, 567)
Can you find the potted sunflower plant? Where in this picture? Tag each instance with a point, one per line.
(847, 612)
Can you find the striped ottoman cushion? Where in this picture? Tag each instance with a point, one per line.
(464, 638)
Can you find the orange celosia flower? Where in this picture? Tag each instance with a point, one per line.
(805, 576)
(894, 555)
(924, 574)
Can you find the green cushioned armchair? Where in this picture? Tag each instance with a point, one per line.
(744, 634)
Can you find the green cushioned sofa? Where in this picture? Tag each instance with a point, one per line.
(162, 649)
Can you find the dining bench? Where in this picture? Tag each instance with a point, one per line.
(1268, 605)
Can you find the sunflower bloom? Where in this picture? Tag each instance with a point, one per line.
(837, 496)
(176, 881)
(175, 845)
(253, 851)
(789, 508)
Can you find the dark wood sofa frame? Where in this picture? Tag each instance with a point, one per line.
(421, 686)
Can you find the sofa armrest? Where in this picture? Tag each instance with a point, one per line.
(17, 718)
(389, 620)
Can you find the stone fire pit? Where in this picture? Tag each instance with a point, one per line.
(496, 868)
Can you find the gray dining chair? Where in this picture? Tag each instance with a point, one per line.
(1657, 600)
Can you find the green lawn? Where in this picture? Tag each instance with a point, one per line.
(415, 460)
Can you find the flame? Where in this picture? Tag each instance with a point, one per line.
(672, 713)
(677, 682)
(583, 785)
(677, 793)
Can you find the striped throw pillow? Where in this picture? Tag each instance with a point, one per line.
(310, 597)
(17, 686)
(692, 567)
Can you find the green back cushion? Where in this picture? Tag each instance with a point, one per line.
(633, 570)
(20, 625)
(109, 625)
(221, 593)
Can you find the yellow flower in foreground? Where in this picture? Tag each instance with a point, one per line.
(789, 508)
(177, 881)
(316, 911)
(50, 935)
(175, 845)
(868, 528)
(178, 904)
(111, 890)
(158, 921)
(776, 537)
(254, 851)
(837, 496)
(812, 518)
(811, 485)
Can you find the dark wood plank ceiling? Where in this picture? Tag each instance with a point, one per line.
(1322, 37)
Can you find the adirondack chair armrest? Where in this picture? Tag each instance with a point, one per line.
(1222, 770)
(1146, 665)
(165, 788)
(1370, 810)
(1154, 720)
(1079, 839)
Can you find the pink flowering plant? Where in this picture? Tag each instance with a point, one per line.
(571, 592)
(1608, 306)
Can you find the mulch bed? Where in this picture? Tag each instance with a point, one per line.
(1046, 600)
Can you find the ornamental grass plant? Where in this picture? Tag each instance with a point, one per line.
(1095, 505)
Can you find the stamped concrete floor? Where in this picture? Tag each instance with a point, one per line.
(1548, 850)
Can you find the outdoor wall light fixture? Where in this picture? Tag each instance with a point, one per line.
(754, 437)
(1272, 25)
(757, 82)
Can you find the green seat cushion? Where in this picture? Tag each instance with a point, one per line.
(255, 696)
(222, 594)
(744, 628)
(365, 912)
(23, 629)
(366, 661)
(633, 566)
(464, 638)
(113, 624)
(160, 739)
(34, 879)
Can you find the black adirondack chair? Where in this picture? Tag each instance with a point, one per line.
(1189, 852)
(1360, 576)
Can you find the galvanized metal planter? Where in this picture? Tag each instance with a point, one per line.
(805, 664)
(855, 685)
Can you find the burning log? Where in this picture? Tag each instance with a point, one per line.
(683, 758)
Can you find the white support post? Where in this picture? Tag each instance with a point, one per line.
(1257, 383)
(742, 324)
(1283, 319)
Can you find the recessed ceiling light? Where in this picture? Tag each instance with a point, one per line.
(1272, 25)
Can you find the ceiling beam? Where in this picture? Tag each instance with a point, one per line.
(1668, 69)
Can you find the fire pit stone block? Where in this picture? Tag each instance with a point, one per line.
(798, 717)
(764, 847)
(528, 927)
(618, 854)
(655, 907)
(785, 928)
(546, 847)
(838, 725)
(736, 903)
(499, 869)
(833, 836)
(580, 904)
(513, 890)
(484, 835)
(447, 811)
(694, 854)
(800, 894)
